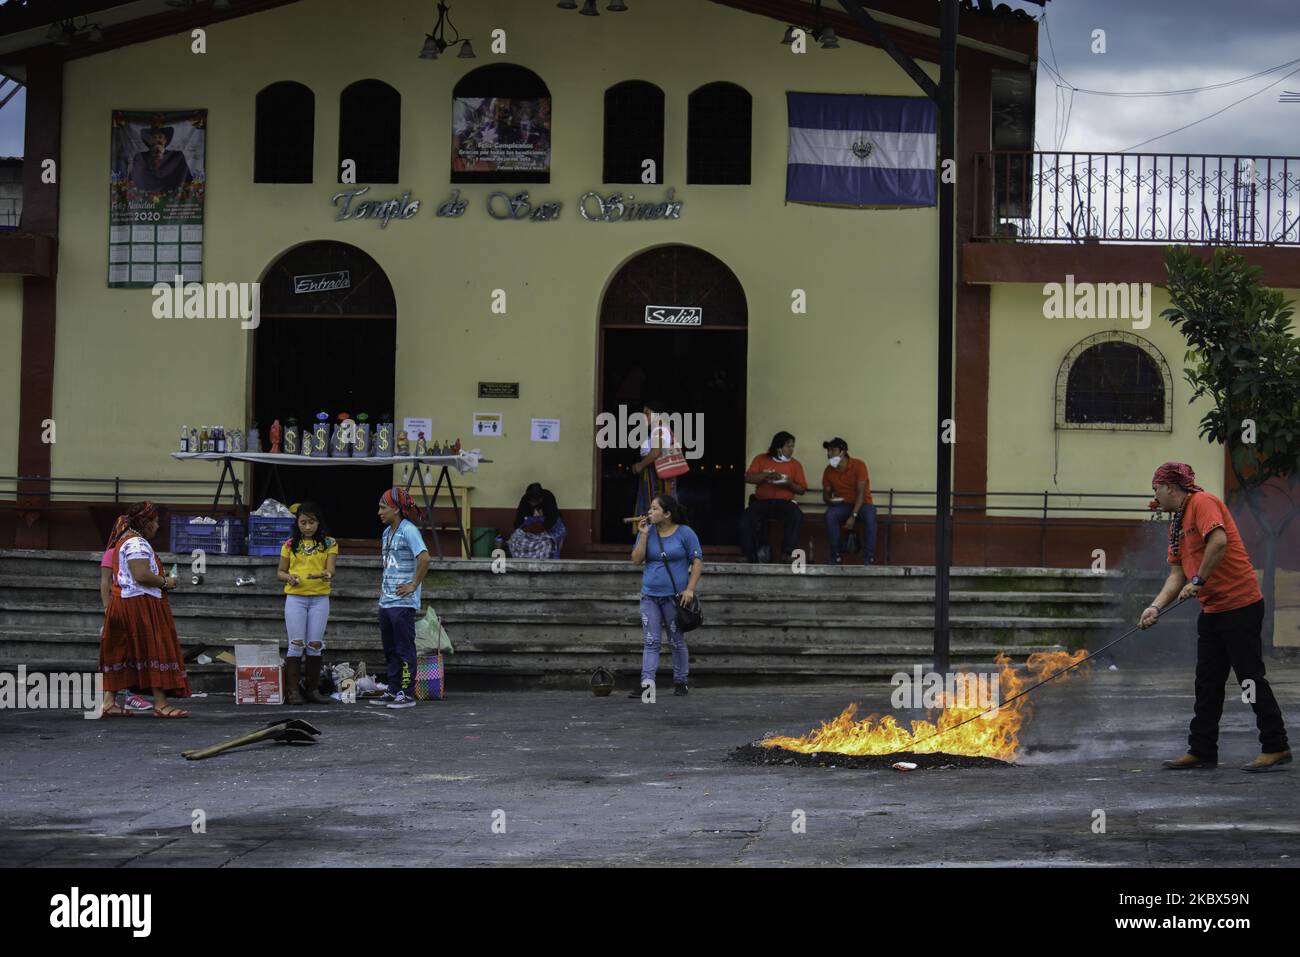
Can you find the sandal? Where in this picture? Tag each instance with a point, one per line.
(115, 710)
(168, 711)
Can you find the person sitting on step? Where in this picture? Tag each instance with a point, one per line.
(778, 478)
(539, 530)
(846, 489)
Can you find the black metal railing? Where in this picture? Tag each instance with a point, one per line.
(1137, 198)
(40, 493)
(1042, 510)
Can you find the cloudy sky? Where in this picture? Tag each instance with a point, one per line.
(1151, 45)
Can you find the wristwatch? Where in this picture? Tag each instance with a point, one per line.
(1198, 581)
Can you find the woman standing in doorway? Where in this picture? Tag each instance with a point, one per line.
(663, 532)
(660, 440)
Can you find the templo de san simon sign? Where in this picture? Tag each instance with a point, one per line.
(592, 206)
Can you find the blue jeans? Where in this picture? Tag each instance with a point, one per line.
(837, 515)
(305, 617)
(657, 614)
(397, 632)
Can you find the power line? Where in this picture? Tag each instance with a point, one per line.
(1193, 89)
(1212, 115)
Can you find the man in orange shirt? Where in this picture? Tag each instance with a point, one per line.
(778, 478)
(846, 489)
(1210, 562)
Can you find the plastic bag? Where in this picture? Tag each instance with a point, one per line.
(430, 636)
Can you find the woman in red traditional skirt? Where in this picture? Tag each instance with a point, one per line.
(139, 647)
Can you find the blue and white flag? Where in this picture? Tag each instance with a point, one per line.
(850, 150)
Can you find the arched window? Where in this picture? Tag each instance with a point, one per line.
(501, 126)
(1114, 381)
(634, 131)
(284, 134)
(370, 131)
(719, 135)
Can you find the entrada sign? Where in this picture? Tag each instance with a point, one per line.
(674, 315)
(322, 282)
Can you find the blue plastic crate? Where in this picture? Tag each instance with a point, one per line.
(224, 538)
(267, 534)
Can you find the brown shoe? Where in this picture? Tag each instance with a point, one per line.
(1268, 761)
(292, 674)
(1189, 761)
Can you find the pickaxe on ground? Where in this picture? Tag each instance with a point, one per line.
(288, 731)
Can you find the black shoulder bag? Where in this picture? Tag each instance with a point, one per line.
(689, 617)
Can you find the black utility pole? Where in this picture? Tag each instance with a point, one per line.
(945, 427)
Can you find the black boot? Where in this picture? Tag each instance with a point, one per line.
(312, 691)
(292, 671)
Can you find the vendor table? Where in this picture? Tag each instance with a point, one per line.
(463, 462)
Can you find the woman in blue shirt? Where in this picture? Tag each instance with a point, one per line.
(662, 532)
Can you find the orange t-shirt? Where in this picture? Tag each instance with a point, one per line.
(791, 470)
(1232, 584)
(845, 484)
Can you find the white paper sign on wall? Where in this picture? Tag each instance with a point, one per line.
(546, 430)
(488, 423)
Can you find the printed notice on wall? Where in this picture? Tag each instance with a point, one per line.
(414, 428)
(487, 423)
(156, 190)
(546, 430)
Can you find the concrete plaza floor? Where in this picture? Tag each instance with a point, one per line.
(599, 781)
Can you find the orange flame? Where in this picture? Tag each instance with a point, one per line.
(995, 735)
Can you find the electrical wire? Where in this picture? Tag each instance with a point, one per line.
(1212, 115)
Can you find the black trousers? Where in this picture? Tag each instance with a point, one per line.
(1231, 639)
(754, 524)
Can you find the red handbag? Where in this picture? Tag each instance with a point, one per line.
(671, 464)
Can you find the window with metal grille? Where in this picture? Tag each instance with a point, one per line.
(370, 131)
(1115, 383)
(284, 134)
(719, 135)
(634, 131)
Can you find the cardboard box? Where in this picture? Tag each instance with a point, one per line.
(259, 674)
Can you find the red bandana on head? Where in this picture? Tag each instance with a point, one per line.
(1175, 473)
(133, 522)
(399, 499)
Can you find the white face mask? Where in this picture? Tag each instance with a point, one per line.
(834, 461)
(780, 458)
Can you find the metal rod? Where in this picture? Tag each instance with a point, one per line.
(1021, 694)
(949, 25)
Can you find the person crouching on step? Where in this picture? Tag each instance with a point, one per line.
(307, 563)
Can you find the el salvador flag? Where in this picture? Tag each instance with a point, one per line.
(849, 150)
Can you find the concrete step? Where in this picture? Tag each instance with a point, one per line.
(555, 626)
(597, 576)
(64, 597)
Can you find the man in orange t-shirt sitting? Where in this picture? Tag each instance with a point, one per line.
(1209, 562)
(846, 489)
(778, 478)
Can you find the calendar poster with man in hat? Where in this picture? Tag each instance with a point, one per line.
(155, 220)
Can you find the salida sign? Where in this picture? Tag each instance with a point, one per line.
(674, 315)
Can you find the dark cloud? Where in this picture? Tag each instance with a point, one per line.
(1163, 45)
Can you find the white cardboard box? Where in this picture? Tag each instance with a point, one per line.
(259, 674)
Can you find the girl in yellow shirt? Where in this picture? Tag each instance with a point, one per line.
(306, 567)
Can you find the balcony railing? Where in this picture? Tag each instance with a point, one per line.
(1137, 198)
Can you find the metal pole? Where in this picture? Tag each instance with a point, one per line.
(947, 262)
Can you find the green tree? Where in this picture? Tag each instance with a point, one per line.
(1245, 359)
